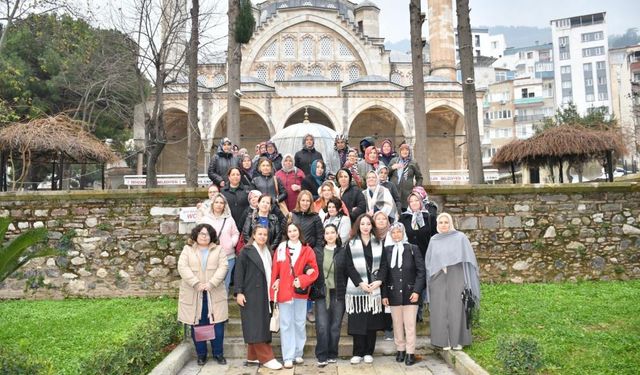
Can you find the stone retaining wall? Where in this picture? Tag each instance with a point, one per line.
(127, 242)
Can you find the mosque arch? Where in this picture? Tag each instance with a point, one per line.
(173, 158)
(446, 138)
(253, 129)
(318, 113)
(379, 120)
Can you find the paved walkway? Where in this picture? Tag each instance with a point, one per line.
(382, 365)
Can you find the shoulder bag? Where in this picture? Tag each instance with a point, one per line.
(274, 323)
(204, 332)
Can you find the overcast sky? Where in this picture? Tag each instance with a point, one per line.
(621, 14)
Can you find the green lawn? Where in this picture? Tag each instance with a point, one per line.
(583, 328)
(73, 335)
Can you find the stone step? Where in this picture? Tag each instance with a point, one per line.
(234, 328)
(234, 347)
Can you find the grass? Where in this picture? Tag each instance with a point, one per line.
(67, 333)
(583, 328)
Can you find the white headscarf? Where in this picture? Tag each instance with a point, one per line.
(398, 247)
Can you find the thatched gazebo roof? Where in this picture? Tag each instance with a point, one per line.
(53, 136)
(571, 143)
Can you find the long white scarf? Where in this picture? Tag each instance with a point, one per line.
(356, 299)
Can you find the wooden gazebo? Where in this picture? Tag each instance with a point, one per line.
(564, 143)
(57, 140)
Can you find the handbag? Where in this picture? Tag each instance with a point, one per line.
(295, 289)
(274, 323)
(204, 332)
(282, 205)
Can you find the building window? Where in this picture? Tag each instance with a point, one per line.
(565, 55)
(588, 82)
(587, 67)
(601, 65)
(636, 77)
(280, 73)
(326, 47)
(262, 73)
(335, 73)
(589, 97)
(298, 70)
(563, 41)
(477, 39)
(564, 23)
(344, 50)
(307, 47)
(529, 55)
(501, 76)
(602, 81)
(289, 48)
(408, 79)
(396, 77)
(218, 80)
(593, 51)
(566, 84)
(590, 37)
(354, 73)
(316, 70)
(270, 52)
(565, 69)
(525, 93)
(603, 95)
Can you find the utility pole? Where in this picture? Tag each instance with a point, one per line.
(416, 18)
(474, 154)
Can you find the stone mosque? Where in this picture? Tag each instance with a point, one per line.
(327, 57)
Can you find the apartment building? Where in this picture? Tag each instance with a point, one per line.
(484, 44)
(624, 64)
(531, 61)
(533, 102)
(498, 113)
(580, 62)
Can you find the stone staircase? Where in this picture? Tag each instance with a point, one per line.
(234, 346)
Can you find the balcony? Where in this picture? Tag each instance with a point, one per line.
(528, 101)
(528, 118)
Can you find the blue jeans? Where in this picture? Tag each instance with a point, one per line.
(217, 343)
(328, 323)
(227, 279)
(293, 335)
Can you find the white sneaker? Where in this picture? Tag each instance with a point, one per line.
(273, 365)
(457, 347)
(356, 360)
(288, 364)
(368, 359)
(446, 348)
(332, 360)
(299, 361)
(322, 363)
(252, 362)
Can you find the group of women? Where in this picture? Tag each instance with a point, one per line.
(349, 249)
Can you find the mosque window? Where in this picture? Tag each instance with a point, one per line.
(396, 77)
(307, 46)
(289, 48)
(280, 73)
(270, 51)
(298, 70)
(354, 73)
(262, 73)
(316, 70)
(307, 4)
(408, 80)
(335, 73)
(326, 47)
(218, 80)
(345, 51)
(331, 6)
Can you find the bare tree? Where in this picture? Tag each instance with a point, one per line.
(474, 154)
(193, 130)
(234, 61)
(416, 18)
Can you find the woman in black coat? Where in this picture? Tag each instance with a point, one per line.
(308, 220)
(252, 278)
(237, 195)
(351, 194)
(264, 216)
(267, 182)
(419, 223)
(402, 272)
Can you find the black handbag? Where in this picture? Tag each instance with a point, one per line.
(318, 290)
(470, 306)
(300, 290)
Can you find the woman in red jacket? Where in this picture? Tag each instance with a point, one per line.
(294, 270)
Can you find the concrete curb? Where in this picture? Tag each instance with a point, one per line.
(175, 361)
(461, 362)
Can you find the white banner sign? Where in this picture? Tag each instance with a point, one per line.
(165, 180)
(188, 214)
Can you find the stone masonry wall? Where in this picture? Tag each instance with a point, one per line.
(127, 242)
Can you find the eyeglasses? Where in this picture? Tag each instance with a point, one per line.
(203, 234)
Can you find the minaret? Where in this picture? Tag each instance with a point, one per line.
(442, 49)
(173, 22)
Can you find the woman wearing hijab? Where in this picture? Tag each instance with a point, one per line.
(251, 281)
(203, 298)
(368, 163)
(247, 171)
(383, 176)
(387, 153)
(363, 301)
(451, 267)
(352, 166)
(291, 178)
(307, 154)
(317, 176)
(351, 194)
(273, 155)
(378, 197)
(405, 174)
(219, 217)
(402, 274)
(294, 270)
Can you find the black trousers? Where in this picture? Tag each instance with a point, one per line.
(364, 344)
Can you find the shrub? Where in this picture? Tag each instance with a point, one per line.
(520, 355)
(139, 351)
(14, 362)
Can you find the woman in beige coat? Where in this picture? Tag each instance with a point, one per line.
(203, 296)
